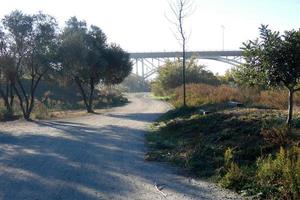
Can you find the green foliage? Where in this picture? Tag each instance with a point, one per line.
(7, 72)
(53, 99)
(228, 145)
(280, 177)
(170, 76)
(228, 157)
(233, 177)
(228, 78)
(272, 60)
(247, 76)
(199, 141)
(118, 66)
(31, 44)
(32, 51)
(89, 60)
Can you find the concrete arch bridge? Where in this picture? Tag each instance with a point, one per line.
(147, 63)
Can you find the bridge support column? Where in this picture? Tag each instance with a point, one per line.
(137, 66)
(143, 69)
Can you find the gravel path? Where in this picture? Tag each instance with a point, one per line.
(92, 157)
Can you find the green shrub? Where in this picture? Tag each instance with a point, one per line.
(233, 179)
(170, 76)
(279, 177)
(228, 157)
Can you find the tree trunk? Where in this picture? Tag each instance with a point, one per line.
(24, 100)
(12, 96)
(83, 94)
(183, 73)
(20, 101)
(91, 97)
(34, 84)
(290, 108)
(27, 116)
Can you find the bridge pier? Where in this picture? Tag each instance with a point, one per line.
(143, 69)
(137, 66)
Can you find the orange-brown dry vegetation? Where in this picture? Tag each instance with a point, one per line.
(201, 94)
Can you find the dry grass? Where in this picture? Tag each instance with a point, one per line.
(201, 94)
(278, 98)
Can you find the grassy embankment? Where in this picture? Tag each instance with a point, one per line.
(231, 145)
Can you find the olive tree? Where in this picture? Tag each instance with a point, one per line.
(7, 73)
(32, 41)
(274, 59)
(82, 57)
(118, 65)
(88, 60)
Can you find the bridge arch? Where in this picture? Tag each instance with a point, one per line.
(147, 63)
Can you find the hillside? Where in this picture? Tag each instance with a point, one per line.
(199, 142)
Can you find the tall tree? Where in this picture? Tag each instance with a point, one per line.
(82, 57)
(89, 60)
(32, 41)
(7, 72)
(274, 59)
(181, 9)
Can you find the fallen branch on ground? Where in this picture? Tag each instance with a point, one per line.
(159, 189)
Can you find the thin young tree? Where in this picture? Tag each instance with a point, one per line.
(273, 59)
(180, 10)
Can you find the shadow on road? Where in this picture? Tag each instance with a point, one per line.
(78, 161)
(143, 117)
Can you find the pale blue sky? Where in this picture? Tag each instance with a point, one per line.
(140, 25)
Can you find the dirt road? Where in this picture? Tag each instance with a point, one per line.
(92, 157)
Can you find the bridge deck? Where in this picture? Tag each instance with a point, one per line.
(198, 54)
